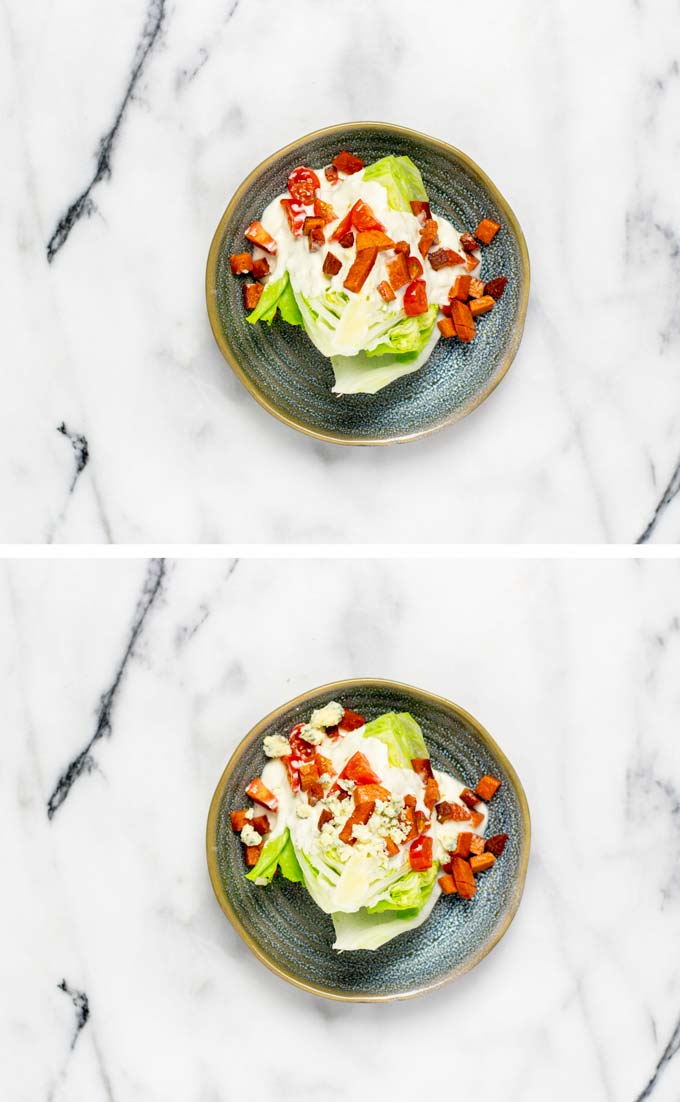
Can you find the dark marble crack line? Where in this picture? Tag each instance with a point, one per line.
(82, 1008)
(83, 762)
(81, 452)
(672, 489)
(671, 1050)
(82, 205)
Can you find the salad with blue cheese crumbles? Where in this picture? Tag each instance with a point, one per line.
(356, 814)
(352, 254)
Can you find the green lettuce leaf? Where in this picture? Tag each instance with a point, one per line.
(277, 296)
(402, 737)
(401, 179)
(408, 335)
(408, 894)
(277, 853)
(364, 930)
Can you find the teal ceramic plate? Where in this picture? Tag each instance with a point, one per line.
(285, 928)
(281, 367)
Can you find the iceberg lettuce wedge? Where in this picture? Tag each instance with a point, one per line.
(402, 737)
(277, 853)
(364, 930)
(401, 179)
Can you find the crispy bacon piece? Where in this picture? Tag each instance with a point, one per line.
(476, 288)
(310, 783)
(240, 263)
(471, 262)
(421, 210)
(347, 240)
(351, 721)
(469, 797)
(295, 216)
(402, 247)
(409, 817)
(392, 847)
(444, 811)
(476, 818)
(324, 817)
(302, 184)
(260, 823)
(259, 236)
(463, 844)
(374, 792)
(252, 293)
(386, 292)
(461, 288)
(428, 236)
(331, 264)
(421, 821)
(479, 306)
(463, 877)
(443, 258)
(496, 844)
(415, 298)
(495, 287)
(312, 223)
(468, 243)
(487, 787)
(397, 272)
(373, 239)
(361, 814)
(358, 273)
(317, 239)
(260, 267)
(446, 327)
(476, 844)
(463, 321)
(460, 814)
(423, 768)
(447, 884)
(487, 230)
(324, 765)
(347, 163)
(432, 794)
(482, 862)
(324, 210)
(238, 820)
(331, 174)
(415, 268)
(252, 855)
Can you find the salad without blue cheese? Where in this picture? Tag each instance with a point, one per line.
(355, 812)
(352, 254)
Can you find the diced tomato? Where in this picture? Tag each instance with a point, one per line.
(358, 769)
(374, 792)
(292, 772)
(348, 163)
(420, 853)
(446, 311)
(261, 795)
(324, 210)
(331, 174)
(259, 236)
(415, 268)
(302, 184)
(363, 217)
(423, 767)
(296, 214)
(351, 721)
(415, 298)
(301, 750)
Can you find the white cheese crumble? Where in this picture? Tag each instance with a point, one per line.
(311, 734)
(249, 836)
(328, 716)
(276, 746)
(303, 811)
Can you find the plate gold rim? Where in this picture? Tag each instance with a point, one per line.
(335, 437)
(330, 689)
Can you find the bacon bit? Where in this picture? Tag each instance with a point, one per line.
(476, 818)
(331, 264)
(487, 230)
(261, 794)
(252, 293)
(421, 210)
(463, 877)
(409, 817)
(259, 236)
(446, 327)
(238, 820)
(443, 258)
(495, 287)
(415, 298)
(446, 309)
(374, 792)
(361, 814)
(397, 272)
(496, 844)
(347, 240)
(479, 306)
(447, 884)
(460, 814)
(302, 183)
(428, 236)
(469, 797)
(351, 721)
(415, 268)
(348, 163)
(487, 787)
(363, 217)
(260, 823)
(476, 288)
(402, 247)
(252, 854)
(483, 862)
(421, 822)
(331, 174)
(311, 224)
(463, 844)
(386, 292)
(432, 794)
(358, 273)
(373, 239)
(391, 846)
(461, 288)
(260, 267)
(444, 811)
(468, 243)
(324, 210)
(317, 239)
(476, 844)
(423, 768)
(240, 263)
(471, 262)
(310, 783)
(295, 215)
(324, 817)
(324, 765)
(462, 319)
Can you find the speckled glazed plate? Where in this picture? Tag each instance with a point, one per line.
(285, 928)
(281, 367)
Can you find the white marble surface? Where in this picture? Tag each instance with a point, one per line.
(572, 666)
(572, 110)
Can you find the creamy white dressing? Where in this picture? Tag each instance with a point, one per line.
(305, 267)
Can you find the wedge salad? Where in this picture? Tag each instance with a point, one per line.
(352, 254)
(355, 812)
